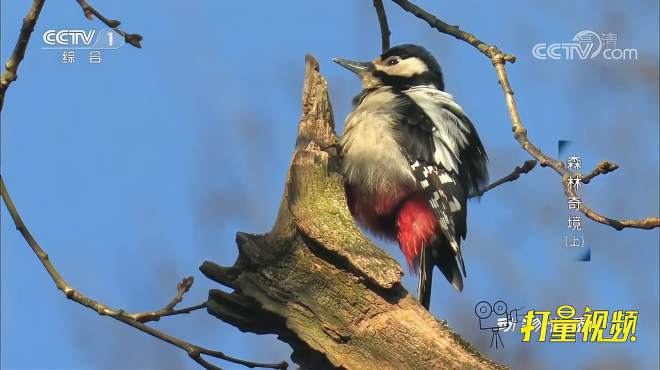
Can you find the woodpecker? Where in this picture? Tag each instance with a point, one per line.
(410, 159)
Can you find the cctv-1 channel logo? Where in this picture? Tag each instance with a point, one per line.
(105, 38)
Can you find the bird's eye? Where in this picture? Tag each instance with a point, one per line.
(392, 61)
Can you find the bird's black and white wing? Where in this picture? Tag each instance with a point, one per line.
(446, 157)
(456, 144)
(447, 200)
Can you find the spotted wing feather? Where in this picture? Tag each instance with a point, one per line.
(447, 200)
(455, 143)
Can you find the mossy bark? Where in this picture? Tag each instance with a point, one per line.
(319, 283)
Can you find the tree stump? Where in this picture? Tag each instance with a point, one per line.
(317, 282)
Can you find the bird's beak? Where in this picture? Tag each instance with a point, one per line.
(358, 68)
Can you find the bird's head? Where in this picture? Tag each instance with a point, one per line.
(402, 67)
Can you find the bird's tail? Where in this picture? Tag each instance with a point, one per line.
(426, 265)
(441, 255)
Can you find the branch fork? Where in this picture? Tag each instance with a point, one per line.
(499, 59)
(315, 279)
(90, 12)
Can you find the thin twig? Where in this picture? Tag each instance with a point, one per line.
(520, 134)
(434, 22)
(178, 311)
(384, 27)
(195, 352)
(526, 167)
(134, 320)
(602, 168)
(499, 59)
(11, 67)
(519, 131)
(89, 11)
(168, 310)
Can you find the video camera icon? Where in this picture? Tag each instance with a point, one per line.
(495, 318)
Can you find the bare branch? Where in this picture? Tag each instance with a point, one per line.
(89, 11)
(134, 320)
(602, 168)
(168, 310)
(11, 67)
(645, 223)
(488, 50)
(499, 59)
(384, 28)
(520, 133)
(526, 167)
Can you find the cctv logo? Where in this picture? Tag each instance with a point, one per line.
(69, 38)
(105, 38)
(585, 45)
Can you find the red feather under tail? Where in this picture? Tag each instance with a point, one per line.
(417, 228)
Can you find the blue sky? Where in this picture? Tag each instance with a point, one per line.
(132, 172)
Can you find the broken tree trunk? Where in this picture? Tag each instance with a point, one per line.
(318, 283)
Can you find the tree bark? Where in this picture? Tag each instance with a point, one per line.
(318, 283)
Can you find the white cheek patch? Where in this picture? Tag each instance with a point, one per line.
(405, 68)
